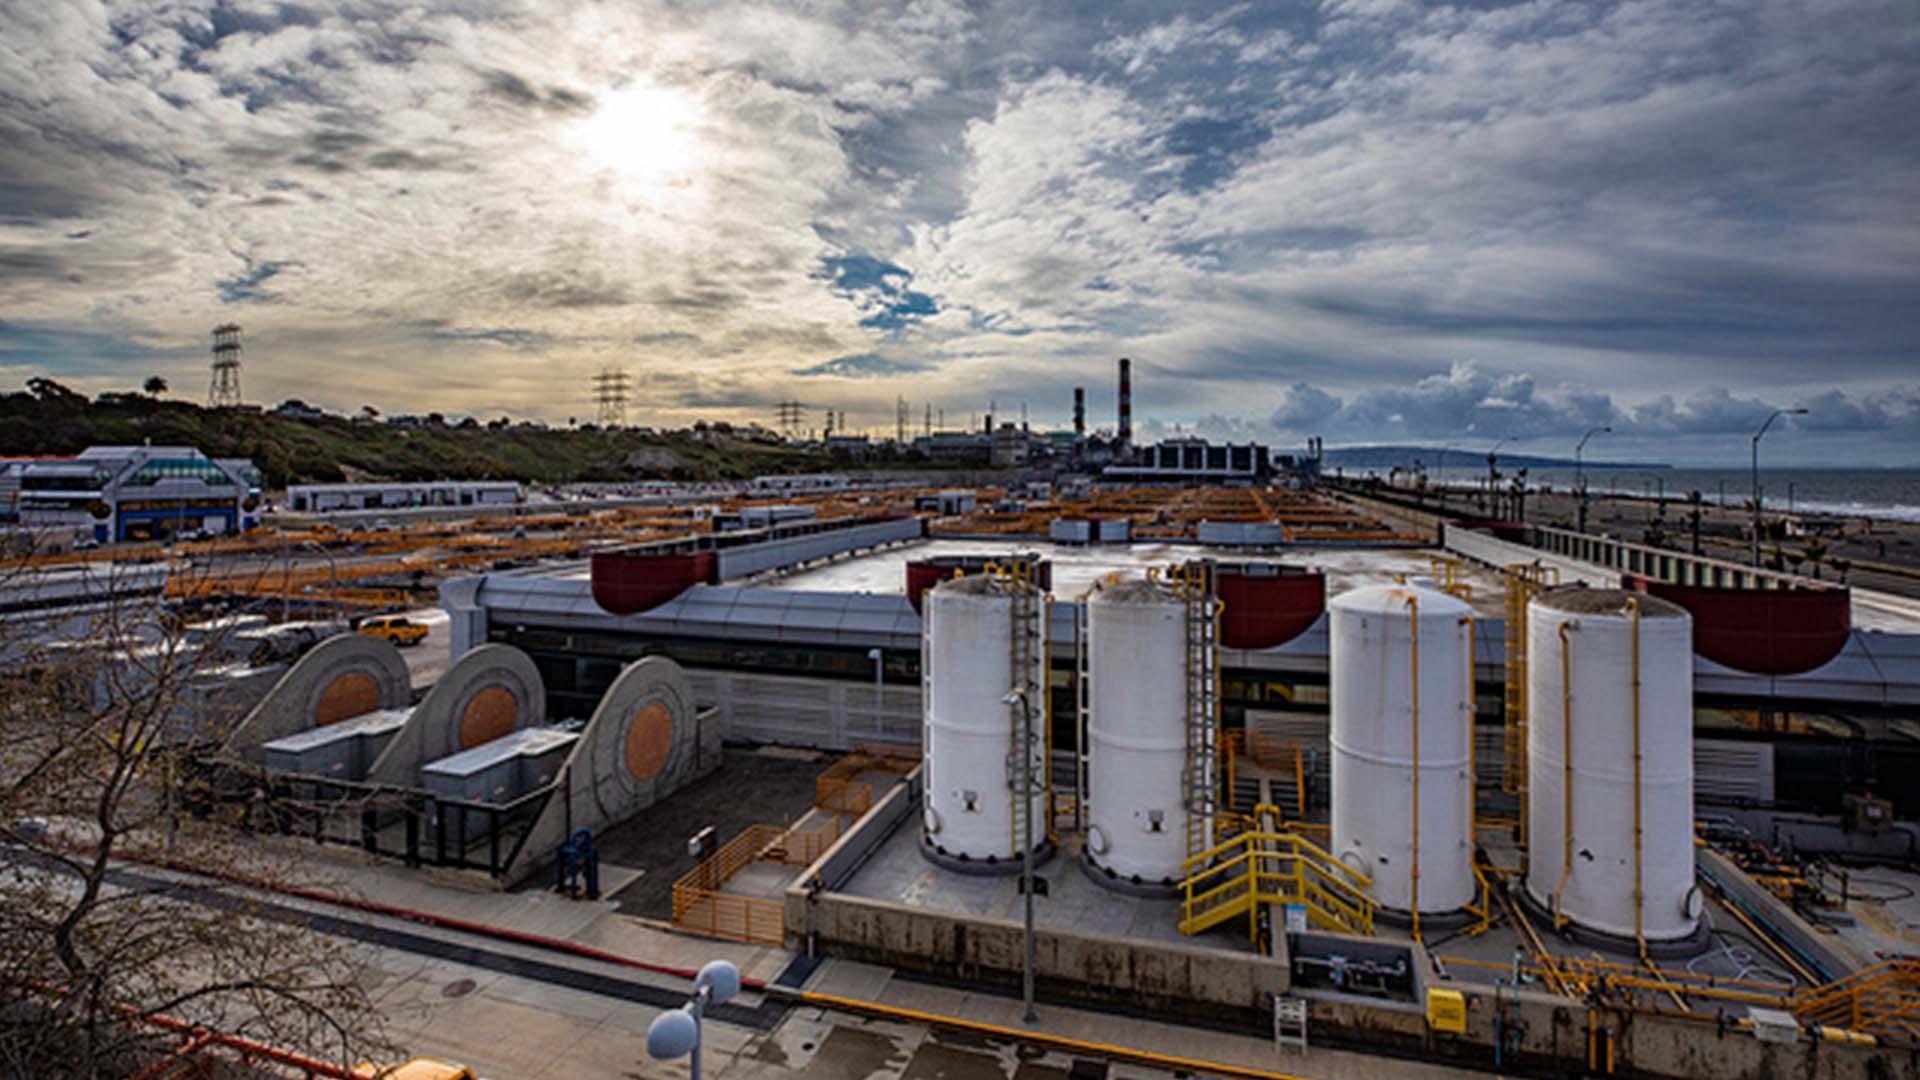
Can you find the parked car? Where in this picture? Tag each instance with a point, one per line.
(398, 629)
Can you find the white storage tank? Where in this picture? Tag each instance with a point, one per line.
(1581, 683)
(1136, 735)
(967, 670)
(1377, 701)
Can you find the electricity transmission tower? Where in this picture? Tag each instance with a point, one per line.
(790, 415)
(224, 390)
(610, 393)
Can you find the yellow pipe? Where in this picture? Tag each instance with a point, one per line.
(1566, 772)
(1413, 630)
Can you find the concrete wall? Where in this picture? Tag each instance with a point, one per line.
(778, 554)
(1499, 554)
(1182, 980)
(839, 862)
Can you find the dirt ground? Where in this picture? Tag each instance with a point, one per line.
(753, 786)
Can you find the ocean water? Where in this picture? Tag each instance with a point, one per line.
(1886, 494)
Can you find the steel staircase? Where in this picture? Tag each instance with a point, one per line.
(1235, 877)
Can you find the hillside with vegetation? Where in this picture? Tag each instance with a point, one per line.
(49, 418)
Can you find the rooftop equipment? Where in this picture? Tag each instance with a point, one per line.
(983, 637)
(1610, 765)
(1401, 684)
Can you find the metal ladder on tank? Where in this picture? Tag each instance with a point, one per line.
(1199, 782)
(1026, 760)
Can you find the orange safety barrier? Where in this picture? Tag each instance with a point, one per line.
(700, 903)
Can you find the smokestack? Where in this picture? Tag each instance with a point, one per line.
(1126, 400)
(1079, 413)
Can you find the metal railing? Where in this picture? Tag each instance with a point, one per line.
(417, 827)
(701, 904)
(1259, 867)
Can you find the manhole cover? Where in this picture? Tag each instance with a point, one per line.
(458, 988)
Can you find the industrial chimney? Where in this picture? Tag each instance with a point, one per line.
(1079, 413)
(1126, 400)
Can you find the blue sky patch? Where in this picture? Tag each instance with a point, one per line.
(880, 290)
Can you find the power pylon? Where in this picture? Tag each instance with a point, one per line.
(791, 415)
(610, 394)
(224, 390)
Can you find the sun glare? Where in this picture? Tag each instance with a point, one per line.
(644, 132)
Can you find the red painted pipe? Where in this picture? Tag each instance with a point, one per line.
(427, 918)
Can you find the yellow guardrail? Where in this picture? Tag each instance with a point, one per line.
(1260, 867)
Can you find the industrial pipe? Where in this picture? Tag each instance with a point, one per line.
(1639, 895)
(1413, 881)
(1566, 771)
(1473, 741)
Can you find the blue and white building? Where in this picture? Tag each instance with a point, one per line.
(111, 494)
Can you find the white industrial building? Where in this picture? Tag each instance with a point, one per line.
(109, 494)
(326, 498)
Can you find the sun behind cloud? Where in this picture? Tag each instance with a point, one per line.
(647, 133)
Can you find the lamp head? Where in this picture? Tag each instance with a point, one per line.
(720, 979)
(672, 1035)
(1015, 696)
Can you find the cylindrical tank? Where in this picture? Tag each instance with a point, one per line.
(1136, 733)
(1631, 726)
(967, 664)
(1418, 850)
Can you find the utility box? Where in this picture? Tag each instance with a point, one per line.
(1773, 1025)
(1447, 1011)
(1867, 813)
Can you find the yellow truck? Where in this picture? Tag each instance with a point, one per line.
(398, 629)
(420, 1068)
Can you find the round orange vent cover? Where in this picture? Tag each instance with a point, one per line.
(649, 740)
(347, 696)
(489, 715)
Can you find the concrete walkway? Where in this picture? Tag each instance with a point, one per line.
(509, 1025)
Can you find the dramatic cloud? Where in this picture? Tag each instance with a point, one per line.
(1367, 220)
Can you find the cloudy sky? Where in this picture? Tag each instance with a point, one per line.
(1366, 219)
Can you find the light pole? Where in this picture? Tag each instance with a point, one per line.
(1442, 468)
(1018, 695)
(1775, 415)
(1493, 476)
(1580, 472)
(677, 1033)
(879, 685)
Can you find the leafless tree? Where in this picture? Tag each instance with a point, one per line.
(98, 728)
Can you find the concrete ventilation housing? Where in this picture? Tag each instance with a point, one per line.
(1610, 762)
(1401, 731)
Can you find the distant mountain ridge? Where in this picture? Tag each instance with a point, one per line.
(1400, 457)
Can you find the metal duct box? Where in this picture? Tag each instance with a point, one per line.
(494, 772)
(1070, 531)
(542, 756)
(342, 751)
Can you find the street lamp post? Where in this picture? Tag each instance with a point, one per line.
(1580, 473)
(879, 685)
(1775, 415)
(676, 1033)
(1493, 475)
(1018, 695)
